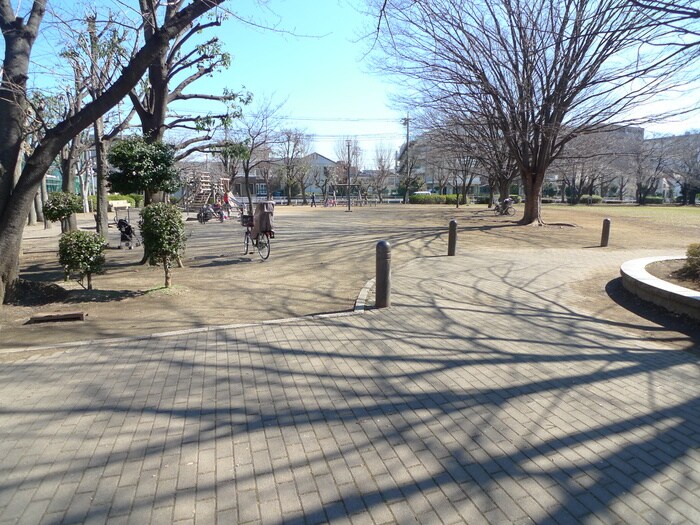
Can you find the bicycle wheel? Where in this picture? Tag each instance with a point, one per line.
(246, 242)
(263, 246)
(510, 210)
(496, 210)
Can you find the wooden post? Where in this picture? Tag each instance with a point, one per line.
(606, 233)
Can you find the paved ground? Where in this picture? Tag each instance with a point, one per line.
(492, 391)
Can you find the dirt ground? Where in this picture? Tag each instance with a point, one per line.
(320, 260)
(671, 271)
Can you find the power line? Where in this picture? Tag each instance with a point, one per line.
(341, 119)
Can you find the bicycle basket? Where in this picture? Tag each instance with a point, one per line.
(247, 220)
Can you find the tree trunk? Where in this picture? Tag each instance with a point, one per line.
(14, 204)
(532, 183)
(12, 223)
(31, 219)
(246, 176)
(168, 272)
(44, 199)
(504, 189)
(465, 188)
(39, 206)
(102, 210)
(89, 280)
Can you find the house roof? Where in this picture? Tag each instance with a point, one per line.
(319, 156)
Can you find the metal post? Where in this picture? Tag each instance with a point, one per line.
(452, 239)
(606, 232)
(383, 281)
(348, 192)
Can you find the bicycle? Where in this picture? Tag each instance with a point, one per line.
(261, 242)
(504, 208)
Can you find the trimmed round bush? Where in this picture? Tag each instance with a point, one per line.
(163, 234)
(60, 206)
(80, 252)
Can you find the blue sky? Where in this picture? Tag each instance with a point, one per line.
(311, 60)
(317, 67)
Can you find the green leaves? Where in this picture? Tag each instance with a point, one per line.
(143, 166)
(81, 252)
(162, 231)
(62, 205)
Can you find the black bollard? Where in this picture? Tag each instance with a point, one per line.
(606, 233)
(452, 239)
(383, 281)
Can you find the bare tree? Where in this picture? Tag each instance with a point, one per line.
(260, 133)
(542, 72)
(349, 153)
(323, 177)
(650, 162)
(302, 175)
(292, 147)
(384, 159)
(681, 17)
(17, 198)
(268, 176)
(685, 165)
(94, 49)
(171, 75)
(466, 142)
(584, 164)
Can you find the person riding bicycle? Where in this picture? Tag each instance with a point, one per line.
(504, 204)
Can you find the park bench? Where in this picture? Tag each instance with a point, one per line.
(115, 205)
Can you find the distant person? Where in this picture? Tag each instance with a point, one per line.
(313, 200)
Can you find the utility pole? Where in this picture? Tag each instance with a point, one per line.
(347, 142)
(406, 122)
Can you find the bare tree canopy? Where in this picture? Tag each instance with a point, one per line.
(682, 17)
(541, 72)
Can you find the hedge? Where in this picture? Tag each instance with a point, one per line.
(592, 199)
(135, 200)
(427, 199)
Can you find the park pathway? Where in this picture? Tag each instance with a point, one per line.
(481, 396)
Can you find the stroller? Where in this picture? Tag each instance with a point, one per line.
(127, 234)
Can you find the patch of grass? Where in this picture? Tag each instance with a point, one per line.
(173, 290)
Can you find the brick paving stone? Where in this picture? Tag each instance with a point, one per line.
(481, 396)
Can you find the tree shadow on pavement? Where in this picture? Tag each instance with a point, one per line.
(493, 401)
(667, 321)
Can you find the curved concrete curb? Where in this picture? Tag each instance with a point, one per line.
(675, 298)
(361, 302)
